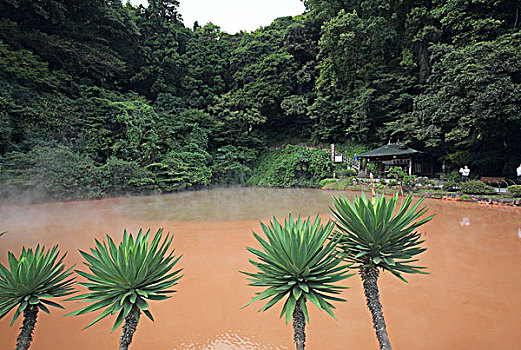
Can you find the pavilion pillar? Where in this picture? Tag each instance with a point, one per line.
(410, 166)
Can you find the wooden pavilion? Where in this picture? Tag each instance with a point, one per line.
(393, 155)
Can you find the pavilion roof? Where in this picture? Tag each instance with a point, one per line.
(388, 150)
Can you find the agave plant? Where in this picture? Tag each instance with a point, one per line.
(373, 238)
(123, 278)
(297, 264)
(28, 284)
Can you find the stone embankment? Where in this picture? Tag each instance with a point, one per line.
(481, 200)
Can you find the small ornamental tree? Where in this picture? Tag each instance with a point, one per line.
(29, 283)
(477, 187)
(373, 237)
(297, 263)
(123, 278)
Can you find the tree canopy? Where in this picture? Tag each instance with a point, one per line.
(147, 104)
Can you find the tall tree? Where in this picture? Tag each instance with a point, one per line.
(373, 235)
(470, 110)
(162, 43)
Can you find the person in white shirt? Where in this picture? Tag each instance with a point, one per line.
(519, 174)
(465, 172)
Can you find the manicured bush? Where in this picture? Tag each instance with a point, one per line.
(515, 190)
(451, 186)
(392, 183)
(409, 180)
(396, 173)
(476, 187)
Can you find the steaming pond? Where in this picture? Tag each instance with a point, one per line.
(470, 300)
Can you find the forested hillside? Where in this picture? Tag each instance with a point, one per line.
(99, 97)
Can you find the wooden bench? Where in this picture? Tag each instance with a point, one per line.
(492, 179)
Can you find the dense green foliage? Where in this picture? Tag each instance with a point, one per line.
(515, 190)
(144, 104)
(292, 166)
(477, 187)
(451, 186)
(297, 264)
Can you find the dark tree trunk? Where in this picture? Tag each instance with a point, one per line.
(370, 280)
(26, 331)
(299, 326)
(128, 330)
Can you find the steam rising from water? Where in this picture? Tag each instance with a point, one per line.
(225, 204)
(474, 275)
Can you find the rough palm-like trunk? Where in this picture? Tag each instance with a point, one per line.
(26, 331)
(128, 330)
(370, 281)
(299, 326)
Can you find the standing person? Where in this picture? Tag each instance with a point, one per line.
(465, 172)
(519, 174)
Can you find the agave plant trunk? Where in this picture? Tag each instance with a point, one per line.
(370, 281)
(26, 331)
(128, 330)
(299, 326)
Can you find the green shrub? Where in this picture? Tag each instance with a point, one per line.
(453, 176)
(324, 182)
(181, 170)
(344, 169)
(428, 183)
(346, 172)
(121, 176)
(466, 197)
(476, 187)
(451, 186)
(396, 173)
(291, 166)
(409, 180)
(339, 185)
(392, 183)
(515, 190)
(229, 165)
(50, 172)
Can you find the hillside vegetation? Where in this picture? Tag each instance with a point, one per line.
(102, 98)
